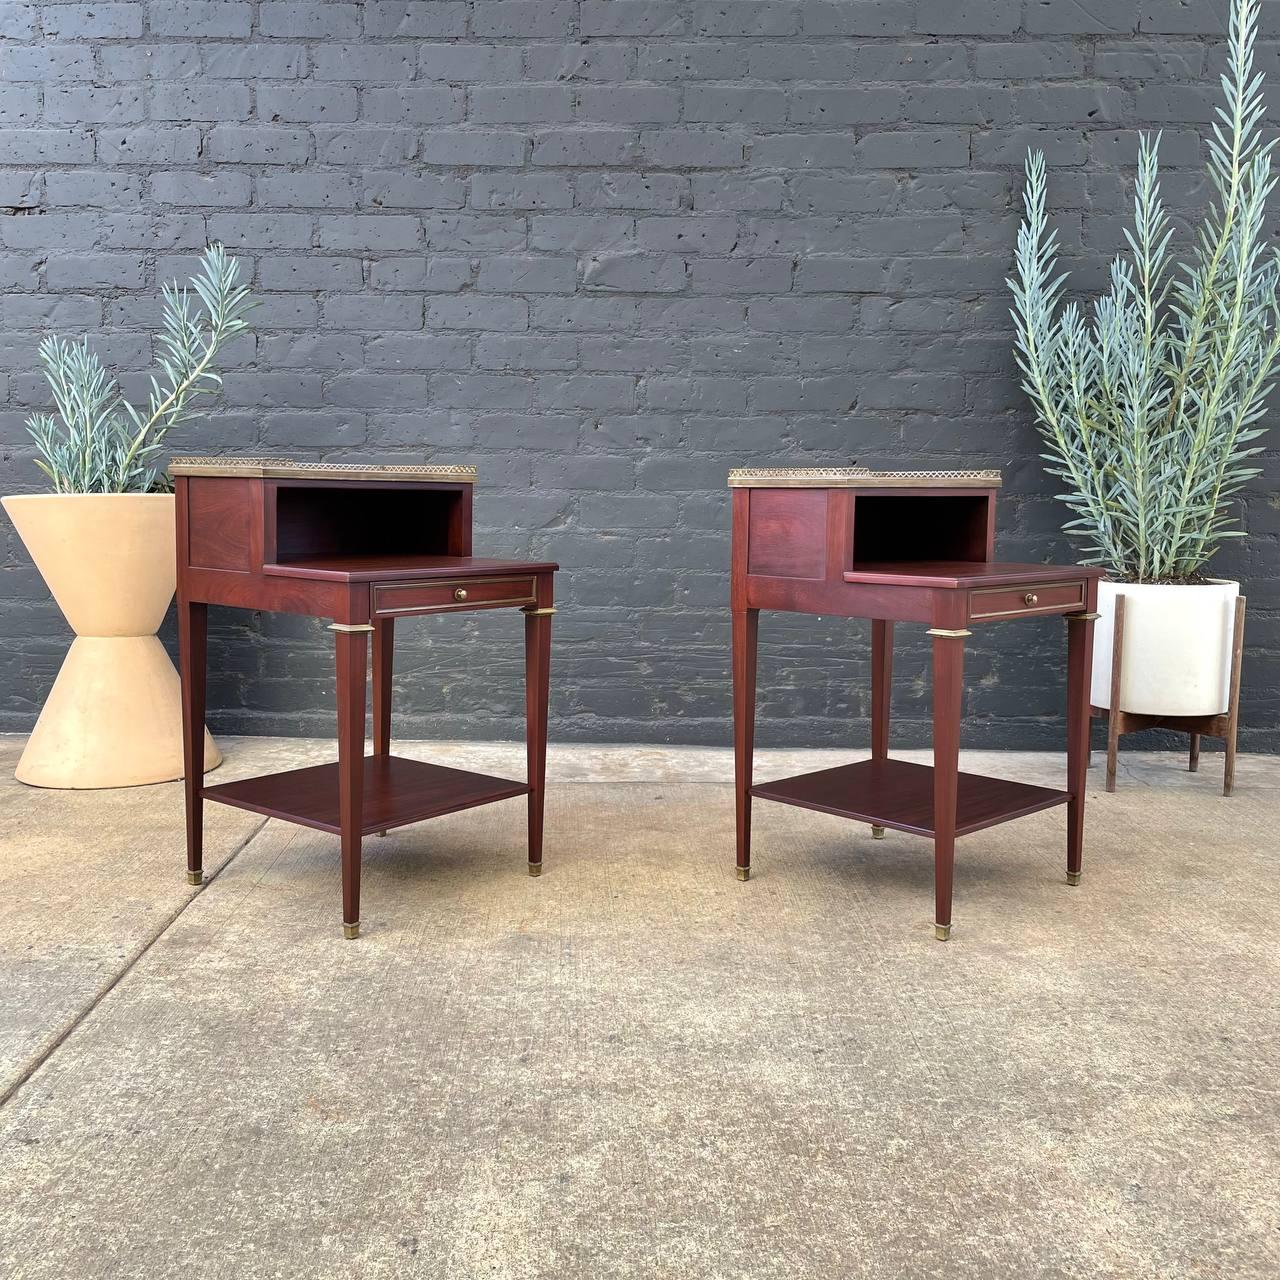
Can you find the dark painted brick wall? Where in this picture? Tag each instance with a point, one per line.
(606, 249)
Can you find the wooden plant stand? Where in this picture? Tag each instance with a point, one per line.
(363, 546)
(1223, 725)
(901, 547)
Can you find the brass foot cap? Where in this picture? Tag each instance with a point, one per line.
(744, 873)
(877, 833)
(942, 932)
(195, 877)
(351, 930)
(379, 833)
(1073, 877)
(535, 868)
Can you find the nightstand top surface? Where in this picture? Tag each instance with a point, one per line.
(967, 573)
(390, 568)
(299, 469)
(858, 478)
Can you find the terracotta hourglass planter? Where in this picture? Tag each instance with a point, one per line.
(113, 717)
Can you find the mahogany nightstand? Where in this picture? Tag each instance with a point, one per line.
(363, 546)
(900, 547)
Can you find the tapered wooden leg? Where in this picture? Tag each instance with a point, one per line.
(1193, 755)
(193, 620)
(537, 674)
(383, 658)
(1114, 714)
(352, 656)
(948, 695)
(1079, 666)
(384, 647)
(1233, 704)
(746, 631)
(881, 686)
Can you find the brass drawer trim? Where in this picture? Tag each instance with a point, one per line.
(384, 590)
(1024, 610)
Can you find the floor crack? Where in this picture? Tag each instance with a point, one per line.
(11, 1090)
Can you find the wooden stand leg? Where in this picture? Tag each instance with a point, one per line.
(948, 693)
(1233, 706)
(746, 631)
(384, 639)
(1114, 714)
(537, 674)
(352, 657)
(1079, 666)
(881, 686)
(193, 621)
(1193, 755)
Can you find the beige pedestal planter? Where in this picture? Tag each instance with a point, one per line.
(114, 715)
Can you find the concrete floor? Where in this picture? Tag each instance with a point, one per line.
(637, 1066)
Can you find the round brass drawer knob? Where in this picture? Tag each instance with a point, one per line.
(460, 593)
(1030, 598)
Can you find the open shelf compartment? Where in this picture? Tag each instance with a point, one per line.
(908, 527)
(899, 794)
(396, 792)
(311, 520)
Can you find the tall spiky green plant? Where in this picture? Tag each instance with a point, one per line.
(98, 442)
(1149, 406)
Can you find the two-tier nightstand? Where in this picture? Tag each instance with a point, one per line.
(362, 546)
(900, 547)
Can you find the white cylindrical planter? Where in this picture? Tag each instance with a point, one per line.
(114, 715)
(1177, 647)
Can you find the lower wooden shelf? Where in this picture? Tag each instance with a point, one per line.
(899, 794)
(396, 792)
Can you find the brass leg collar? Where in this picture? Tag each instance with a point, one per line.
(195, 877)
(535, 868)
(877, 833)
(942, 932)
(744, 873)
(351, 930)
(1073, 877)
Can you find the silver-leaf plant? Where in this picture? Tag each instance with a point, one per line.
(99, 442)
(1150, 406)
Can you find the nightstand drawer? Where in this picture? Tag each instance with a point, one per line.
(1025, 601)
(448, 595)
